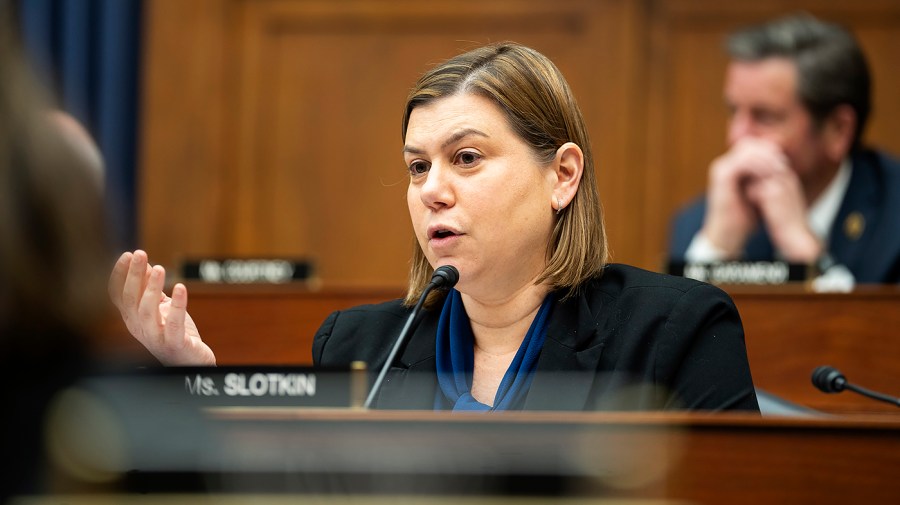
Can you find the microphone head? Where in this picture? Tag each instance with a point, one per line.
(828, 379)
(445, 277)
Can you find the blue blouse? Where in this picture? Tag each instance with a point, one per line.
(456, 360)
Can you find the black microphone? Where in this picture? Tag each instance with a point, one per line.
(830, 380)
(445, 277)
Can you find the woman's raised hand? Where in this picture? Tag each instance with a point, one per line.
(159, 322)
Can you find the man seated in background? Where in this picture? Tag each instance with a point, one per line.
(796, 184)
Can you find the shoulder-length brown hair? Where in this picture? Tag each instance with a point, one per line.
(541, 109)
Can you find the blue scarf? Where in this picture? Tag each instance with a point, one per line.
(455, 358)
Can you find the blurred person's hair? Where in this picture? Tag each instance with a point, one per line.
(54, 251)
(831, 67)
(81, 142)
(54, 261)
(541, 109)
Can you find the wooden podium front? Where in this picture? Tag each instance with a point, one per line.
(346, 456)
(680, 458)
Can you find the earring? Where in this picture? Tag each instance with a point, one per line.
(559, 206)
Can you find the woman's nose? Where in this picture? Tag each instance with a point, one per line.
(437, 190)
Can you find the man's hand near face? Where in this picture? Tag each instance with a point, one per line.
(751, 184)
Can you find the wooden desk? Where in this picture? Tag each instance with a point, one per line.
(675, 458)
(789, 332)
(709, 459)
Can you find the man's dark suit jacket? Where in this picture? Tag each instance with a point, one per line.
(628, 340)
(872, 256)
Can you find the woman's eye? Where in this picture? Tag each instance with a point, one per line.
(418, 167)
(468, 158)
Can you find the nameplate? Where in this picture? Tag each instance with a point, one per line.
(247, 270)
(246, 386)
(760, 273)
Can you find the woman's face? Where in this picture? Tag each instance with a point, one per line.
(477, 197)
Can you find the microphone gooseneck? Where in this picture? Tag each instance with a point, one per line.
(830, 380)
(444, 277)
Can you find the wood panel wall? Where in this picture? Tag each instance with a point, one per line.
(272, 127)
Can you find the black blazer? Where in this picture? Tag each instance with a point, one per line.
(628, 340)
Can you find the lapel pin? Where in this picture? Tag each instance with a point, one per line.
(854, 225)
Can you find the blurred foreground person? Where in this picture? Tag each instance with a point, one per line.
(52, 253)
(502, 187)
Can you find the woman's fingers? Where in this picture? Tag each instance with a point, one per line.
(148, 309)
(160, 323)
(127, 282)
(117, 279)
(133, 287)
(174, 328)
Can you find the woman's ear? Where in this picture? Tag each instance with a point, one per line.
(838, 131)
(569, 166)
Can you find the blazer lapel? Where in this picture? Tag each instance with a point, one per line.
(565, 373)
(567, 367)
(854, 226)
(411, 382)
